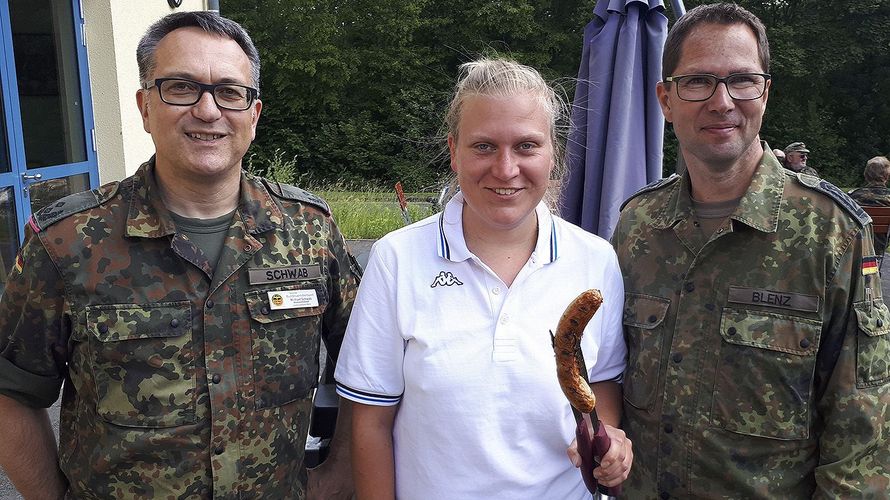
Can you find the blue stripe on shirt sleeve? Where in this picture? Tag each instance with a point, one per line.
(367, 397)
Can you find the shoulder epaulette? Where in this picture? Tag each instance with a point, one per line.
(833, 192)
(660, 183)
(72, 204)
(289, 192)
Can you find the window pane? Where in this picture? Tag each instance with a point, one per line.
(45, 192)
(48, 81)
(9, 237)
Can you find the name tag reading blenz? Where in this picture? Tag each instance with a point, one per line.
(284, 274)
(772, 298)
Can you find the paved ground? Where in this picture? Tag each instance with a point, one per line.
(361, 248)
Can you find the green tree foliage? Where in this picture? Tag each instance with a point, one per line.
(355, 90)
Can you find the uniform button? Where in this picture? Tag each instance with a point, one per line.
(219, 450)
(103, 328)
(696, 223)
(505, 319)
(216, 378)
(677, 357)
(209, 304)
(653, 319)
(495, 290)
(805, 343)
(242, 408)
(690, 287)
(264, 310)
(174, 323)
(668, 428)
(731, 331)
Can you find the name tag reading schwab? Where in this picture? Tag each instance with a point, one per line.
(292, 299)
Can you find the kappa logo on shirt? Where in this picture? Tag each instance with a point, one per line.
(445, 279)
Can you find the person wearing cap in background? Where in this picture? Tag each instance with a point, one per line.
(796, 155)
(780, 155)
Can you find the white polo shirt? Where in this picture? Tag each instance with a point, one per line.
(470, 360)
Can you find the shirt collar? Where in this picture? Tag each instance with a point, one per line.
(452, 245)
(758, 208)
(148, 217)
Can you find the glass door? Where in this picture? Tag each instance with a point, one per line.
(48, 150)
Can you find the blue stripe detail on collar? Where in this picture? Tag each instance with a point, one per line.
(554, 251)
(443, 241)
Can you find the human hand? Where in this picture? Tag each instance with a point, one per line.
(330, 481)
(615, 464)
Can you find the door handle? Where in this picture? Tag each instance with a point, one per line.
(35, 177)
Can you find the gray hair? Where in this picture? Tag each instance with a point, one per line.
(877, 170)
(211, 22)
(718, 13)
(496, 77)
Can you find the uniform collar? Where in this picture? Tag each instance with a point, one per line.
(452, 245)
(148, 217)
(758, 208)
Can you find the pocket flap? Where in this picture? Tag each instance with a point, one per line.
(644, 311)
(776, 332)
(262, 310)
(114, 322)
(873, 318)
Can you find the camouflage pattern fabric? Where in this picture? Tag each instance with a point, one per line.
(874, 196)
(181, 381)
(759, 359)
(809, 171)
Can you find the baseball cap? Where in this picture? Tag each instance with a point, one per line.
(798, 147)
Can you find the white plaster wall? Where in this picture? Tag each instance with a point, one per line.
(113, 29)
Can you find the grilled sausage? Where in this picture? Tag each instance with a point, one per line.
(567, 345)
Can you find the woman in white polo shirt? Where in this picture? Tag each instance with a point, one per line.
(447, 356)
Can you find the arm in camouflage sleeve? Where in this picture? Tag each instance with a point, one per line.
(28, 454)
(31, 361)
(853, 382)
(333, 478)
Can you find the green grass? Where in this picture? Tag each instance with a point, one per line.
(370, 215)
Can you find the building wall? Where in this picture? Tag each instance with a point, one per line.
(113, 29)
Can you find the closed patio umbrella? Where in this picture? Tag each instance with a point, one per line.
(615, 141)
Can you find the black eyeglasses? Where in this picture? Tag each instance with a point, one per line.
(182, 92)
(740, 86)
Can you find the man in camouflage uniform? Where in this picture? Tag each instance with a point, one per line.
(182, 307)
(796, 155)
(757, 335)
(875, 193)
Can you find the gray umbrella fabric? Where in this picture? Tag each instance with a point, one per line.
(616, 136)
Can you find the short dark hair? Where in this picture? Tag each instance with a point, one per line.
(211, 22)
(717, 13)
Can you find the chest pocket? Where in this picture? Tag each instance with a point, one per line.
(872, 344)
(143, 363)
(284, 342)
(643, 332)
(764, 379)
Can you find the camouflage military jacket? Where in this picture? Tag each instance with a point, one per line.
(758, 356)
(872, 196)
(180, 381)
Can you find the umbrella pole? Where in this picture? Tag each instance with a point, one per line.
(678, 7)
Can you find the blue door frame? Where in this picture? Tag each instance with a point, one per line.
(13, 119)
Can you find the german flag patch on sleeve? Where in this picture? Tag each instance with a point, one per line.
(869, 265)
